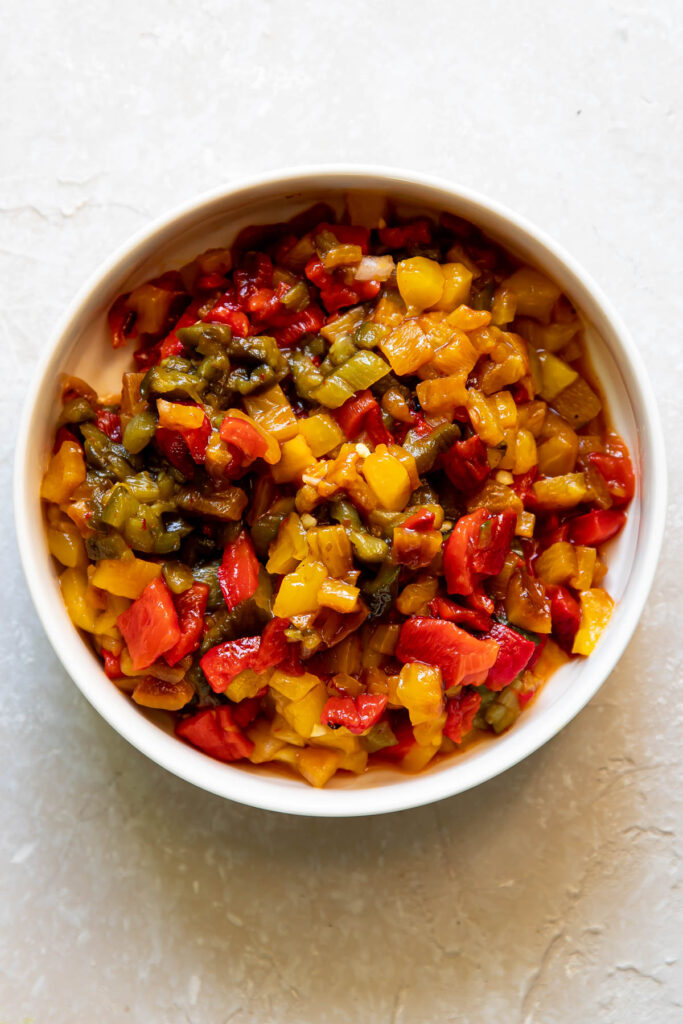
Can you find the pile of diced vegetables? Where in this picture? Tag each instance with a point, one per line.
(349, 505)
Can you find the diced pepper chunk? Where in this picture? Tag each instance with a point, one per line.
(65, 472)
(150, 625)
(126, 577)
(596, 609)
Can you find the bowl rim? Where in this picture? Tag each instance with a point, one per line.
(407, 791)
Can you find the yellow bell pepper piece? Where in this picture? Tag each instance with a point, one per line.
(304, 715)
(561, 491)
(292, 687)
(407, 348)
(331, 546)
(298, 593)
(430, 734)
(457, 281)
(106, 621)
(322, 433)
(443, 394)
(284, 732)
(458, 355)
(265, 744)
(317, 766)
(578, 404)
(388, 479)
(65, 472)
(126, 577)
(177, 416)
(80, 600)
(483, 417)
(272, 411)
(296, 458)
(536, 295)
(586, 560)
(157, 693)
(289, 547)
(596, 609)
(420, 282)
(557, 455)
(418, 757)
(556, 375)
(467, 319)
(247, 684)
(341, 597)
(420, 690)
(557, 564)
(414, 598)
(66, 544)
(526, 453)
(504, 306)
(355, 761)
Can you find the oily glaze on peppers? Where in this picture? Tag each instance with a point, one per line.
(350, 506)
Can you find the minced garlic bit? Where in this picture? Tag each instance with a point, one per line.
(503, 477)
(363, 450)
(308, 521)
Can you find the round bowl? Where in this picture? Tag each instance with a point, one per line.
(80, 346)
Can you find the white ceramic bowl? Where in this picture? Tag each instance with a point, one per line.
(80, 345)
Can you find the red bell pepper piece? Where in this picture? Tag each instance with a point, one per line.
(245, 437)
(460, 656)
(173, 447)
(477, 547)
(460, 712)
(459, 571)
(466, 464)
(246, 711)
(308, 321)
(316, 273)
(190, 608)
(362, 413)
(238, 571)
(172, 345)
(221, 664)
(336, 295)
(357, 715)
(616, 468)
(215, 732)
(470, 618)
(403, 236)
(514, 654)
(366, 290)
(150, 625)
(566, 616)
(109, 423)
(112, 665)
(596, 527)
(488, 557)
(479, 600)
(274, 647)
(422, 521)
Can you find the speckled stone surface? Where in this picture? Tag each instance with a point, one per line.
(550, 895)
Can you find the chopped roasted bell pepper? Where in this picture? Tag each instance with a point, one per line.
(223, 663)
(150, 626)
(190, 607)
(460, 712)
(616, 468)
(514, 654)
(216, 732)
(238, 572)
(566, 616)
(362, 413)
(459, 655)
(470, 618)
(466, 464)
(596, 527)
(358, 715)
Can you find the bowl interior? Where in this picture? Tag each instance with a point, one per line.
(82, 348)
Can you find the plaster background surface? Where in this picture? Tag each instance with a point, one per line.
(550, 895)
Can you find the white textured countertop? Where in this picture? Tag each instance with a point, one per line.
(550, 895)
